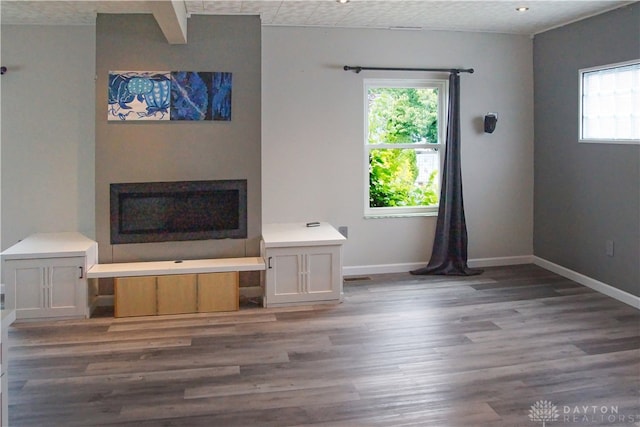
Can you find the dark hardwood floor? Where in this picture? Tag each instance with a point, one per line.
(400, 350)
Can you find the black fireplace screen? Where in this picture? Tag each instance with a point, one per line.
(183, 210)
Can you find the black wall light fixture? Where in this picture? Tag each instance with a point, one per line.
(3, 69)
(490, 120)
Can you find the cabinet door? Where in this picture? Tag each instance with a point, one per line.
(176, 294)
(283, 276)
(134, 296)
(28, 280)
(62, 284)
(323, 278)
(218, 292)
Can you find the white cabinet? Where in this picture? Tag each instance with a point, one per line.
(45, 275)
(7, 315)
(48, 287)
(304, 264)
(300, 274)
(4, 383)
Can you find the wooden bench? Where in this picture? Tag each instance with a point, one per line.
(173, 287)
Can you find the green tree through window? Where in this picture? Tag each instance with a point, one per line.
(403, 145)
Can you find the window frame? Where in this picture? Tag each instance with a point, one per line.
(442, 84)
(581, 81)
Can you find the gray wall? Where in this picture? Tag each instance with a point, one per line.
(585, 194)
(175, 151)
(47, 130)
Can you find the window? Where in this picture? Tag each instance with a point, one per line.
(404, 146)
(610, 103)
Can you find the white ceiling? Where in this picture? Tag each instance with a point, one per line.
(474, 15)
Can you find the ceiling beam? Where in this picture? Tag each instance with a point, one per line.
(171, 16)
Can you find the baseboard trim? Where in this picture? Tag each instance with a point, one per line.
(603, 288)
(587, 281)
(360, 270)
(406, 267)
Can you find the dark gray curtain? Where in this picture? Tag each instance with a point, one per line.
(449, 255)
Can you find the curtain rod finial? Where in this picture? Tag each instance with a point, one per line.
(350, 68)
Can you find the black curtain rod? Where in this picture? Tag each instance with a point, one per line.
(357, 69)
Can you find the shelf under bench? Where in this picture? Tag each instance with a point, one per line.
(173, 287)
(159, 268)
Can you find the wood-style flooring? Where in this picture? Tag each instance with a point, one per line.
(400, 350)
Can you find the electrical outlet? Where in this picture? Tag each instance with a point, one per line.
(609, 247)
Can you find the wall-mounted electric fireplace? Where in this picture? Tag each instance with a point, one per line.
(144, 212)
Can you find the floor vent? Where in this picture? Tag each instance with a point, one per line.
(356, 279)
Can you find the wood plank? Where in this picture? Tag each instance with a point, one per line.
(135, 296)
(176, 294)
(218, 292)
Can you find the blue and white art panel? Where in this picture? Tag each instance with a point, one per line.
(139, 95)
(169, 95)
(221, 96)
(190, 95)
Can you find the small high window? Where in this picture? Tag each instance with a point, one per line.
(610, 103)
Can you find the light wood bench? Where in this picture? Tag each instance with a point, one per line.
(173, 287)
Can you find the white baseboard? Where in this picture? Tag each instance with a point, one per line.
(406, 267)
(587, 281)
(361, 270)
(622, 296)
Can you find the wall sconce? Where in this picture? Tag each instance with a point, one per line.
(490, 120)
(3, 69)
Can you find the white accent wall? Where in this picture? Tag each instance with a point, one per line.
(48, 135)
(313, 136)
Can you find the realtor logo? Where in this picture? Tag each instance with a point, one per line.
(543, 411)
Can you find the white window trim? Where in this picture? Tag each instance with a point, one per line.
(581, 74)
(443, 95)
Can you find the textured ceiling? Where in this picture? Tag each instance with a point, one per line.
(478, 15)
